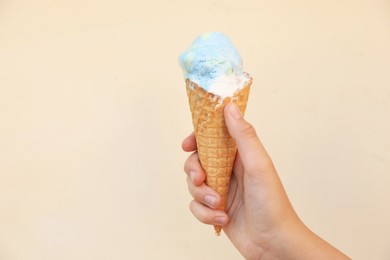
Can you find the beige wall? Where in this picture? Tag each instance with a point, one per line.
(93, 110)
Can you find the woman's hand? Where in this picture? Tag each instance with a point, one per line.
(260, 220)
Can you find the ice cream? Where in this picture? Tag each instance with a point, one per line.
(214, 77)
(213, 63)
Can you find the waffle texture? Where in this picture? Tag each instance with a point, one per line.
(216, 148)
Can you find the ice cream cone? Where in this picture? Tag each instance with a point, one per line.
(216, 148)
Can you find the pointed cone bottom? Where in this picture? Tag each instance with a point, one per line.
(216, 148)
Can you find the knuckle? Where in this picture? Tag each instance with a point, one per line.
(195, 192)
(189, 183)
(204, 218)
(190, 162)
(199, 214)
(187, 165)
(249, 131)
(191, 207)
(191, 188)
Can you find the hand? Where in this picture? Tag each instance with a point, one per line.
(260, 220)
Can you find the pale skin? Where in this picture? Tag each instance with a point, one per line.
(260, 220)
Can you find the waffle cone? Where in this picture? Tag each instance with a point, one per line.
(216, 148)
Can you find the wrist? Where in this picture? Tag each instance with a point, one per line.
(296, 241)
(287, 240)
(276, 243)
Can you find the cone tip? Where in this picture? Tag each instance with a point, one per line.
(217, 230)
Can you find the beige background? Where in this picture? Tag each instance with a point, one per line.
(93, 110)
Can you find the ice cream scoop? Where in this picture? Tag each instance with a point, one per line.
(214, 64)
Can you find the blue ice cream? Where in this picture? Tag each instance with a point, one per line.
(213, 63)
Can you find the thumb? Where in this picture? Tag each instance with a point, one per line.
(252, 152)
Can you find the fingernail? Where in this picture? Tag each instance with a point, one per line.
(210, 200)
(220, 220)
(234, 112)
(192, 175)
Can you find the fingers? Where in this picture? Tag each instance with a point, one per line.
(205, 199)
(208, 216)
(196, 186)
(194, 170)
(252, 152)
(204, 194)
(189, 143)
